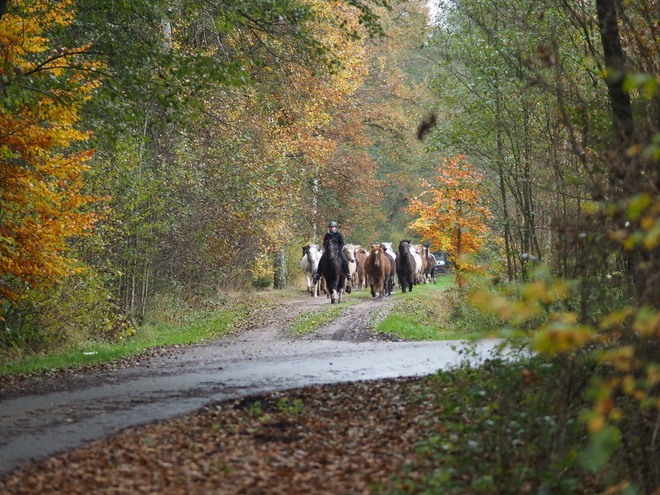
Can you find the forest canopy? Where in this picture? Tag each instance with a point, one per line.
(183, 146)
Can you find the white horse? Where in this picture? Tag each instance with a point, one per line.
(419, 270)
(387, 247)
(309, 264)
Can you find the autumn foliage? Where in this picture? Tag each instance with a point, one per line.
(41, 176)
(452, 213)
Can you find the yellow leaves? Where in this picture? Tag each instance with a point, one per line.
(562, 335)
(41, 195)
(22, 32)
(647, 322)
(541, 291)
(616, 318)
(517, 312)
(529, 301)
(642, 228)
(620, 358)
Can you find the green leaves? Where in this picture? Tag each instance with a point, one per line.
(602, 444)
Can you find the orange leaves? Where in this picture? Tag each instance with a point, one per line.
(452, 214)
(40, 183)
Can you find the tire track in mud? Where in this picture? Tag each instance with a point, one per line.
(357, 323)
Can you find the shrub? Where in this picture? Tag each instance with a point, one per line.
(262, 282)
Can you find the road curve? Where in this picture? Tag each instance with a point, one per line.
(37, 426)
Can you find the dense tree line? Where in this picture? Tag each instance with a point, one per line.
(212, 140)
(557, 102)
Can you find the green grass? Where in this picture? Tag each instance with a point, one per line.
(423, 313)
(404, 326)
(207, 326)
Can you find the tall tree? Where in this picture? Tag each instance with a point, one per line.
(452, 212)
(42, 177)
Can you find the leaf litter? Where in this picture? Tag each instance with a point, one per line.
(347, 438)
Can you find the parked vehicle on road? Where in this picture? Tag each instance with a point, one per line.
(442, 264)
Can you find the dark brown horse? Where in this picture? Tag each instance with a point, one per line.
(405, 266)
(332, 271)
(429, 273)
(377, 267)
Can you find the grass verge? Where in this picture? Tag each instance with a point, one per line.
(422, 314)
(191, 327)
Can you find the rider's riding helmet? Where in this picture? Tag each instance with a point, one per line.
(332, 224)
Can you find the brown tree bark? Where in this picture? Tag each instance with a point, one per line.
(3, 7)
(615, 64)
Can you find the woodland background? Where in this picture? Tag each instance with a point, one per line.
(206, 145)
(154, 151)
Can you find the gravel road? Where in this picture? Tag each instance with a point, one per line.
(41, 418)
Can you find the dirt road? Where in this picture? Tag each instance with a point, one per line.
(52, 415)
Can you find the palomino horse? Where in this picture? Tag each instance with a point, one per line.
(333, 272)
(421, 250)
(405, 266)
(377, 267)
(349, 252)
(309, 265)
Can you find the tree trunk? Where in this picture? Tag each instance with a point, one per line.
(3, 7)
(614, 63)
(500, 172)
(280, 271)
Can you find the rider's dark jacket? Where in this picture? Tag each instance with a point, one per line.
(336, 235)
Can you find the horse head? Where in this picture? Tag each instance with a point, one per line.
(404, 247)
(349, 252)
(376, 253)
(332, 248)
(312, 252)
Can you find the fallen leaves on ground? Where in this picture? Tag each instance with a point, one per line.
(339, 439)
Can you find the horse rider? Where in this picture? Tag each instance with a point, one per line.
(333, 233)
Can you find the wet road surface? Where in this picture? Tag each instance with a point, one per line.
(37, 426)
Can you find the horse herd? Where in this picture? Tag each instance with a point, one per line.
(376, 268)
